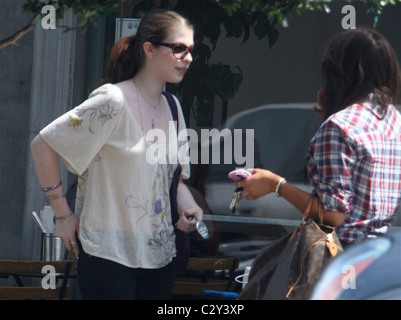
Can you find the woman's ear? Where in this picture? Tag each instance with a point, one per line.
(148, 49)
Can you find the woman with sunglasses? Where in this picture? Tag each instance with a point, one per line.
(122, 228)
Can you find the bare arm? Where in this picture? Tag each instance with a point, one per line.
(264, 182)
(187, 206)
(48, 171)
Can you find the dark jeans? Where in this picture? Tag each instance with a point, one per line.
(101, 279)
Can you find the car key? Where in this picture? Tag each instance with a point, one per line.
(236, 199)
(237, 175)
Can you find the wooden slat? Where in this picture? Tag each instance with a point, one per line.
(198, 288)
(20, 269)
(30, 293)
(213, 263)
(32, 267)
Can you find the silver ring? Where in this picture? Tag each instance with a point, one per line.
(72, 242)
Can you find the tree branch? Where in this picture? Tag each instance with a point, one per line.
(19, 34)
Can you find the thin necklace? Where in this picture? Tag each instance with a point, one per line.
(156, 109)
(139, 108)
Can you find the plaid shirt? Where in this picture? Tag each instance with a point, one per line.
(354, 165)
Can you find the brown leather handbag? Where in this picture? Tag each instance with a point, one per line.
(288, 268)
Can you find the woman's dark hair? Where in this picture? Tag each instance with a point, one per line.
(358, 62)
(127, 54)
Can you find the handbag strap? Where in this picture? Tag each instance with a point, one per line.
(308, 208)
(172, 104)
(174, 183)
(330, 243)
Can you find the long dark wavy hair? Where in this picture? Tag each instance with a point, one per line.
(358, 62)
(127, 54)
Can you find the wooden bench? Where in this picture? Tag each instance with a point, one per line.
(209, 273)
(20, 268)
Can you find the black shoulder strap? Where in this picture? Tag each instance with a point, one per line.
(182, 242)
(174, 184)
(172, 105)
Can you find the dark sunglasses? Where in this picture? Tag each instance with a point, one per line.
(180, 50)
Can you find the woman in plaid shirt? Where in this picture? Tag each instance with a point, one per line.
(354, 159)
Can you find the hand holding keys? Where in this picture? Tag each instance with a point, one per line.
(236, 198)
(237, 175)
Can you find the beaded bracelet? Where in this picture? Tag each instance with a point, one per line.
(53, 187)
(56, 219)
(278, 187)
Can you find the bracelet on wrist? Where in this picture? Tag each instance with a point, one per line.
(278, 187)
(52, 187)
(62, 218)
